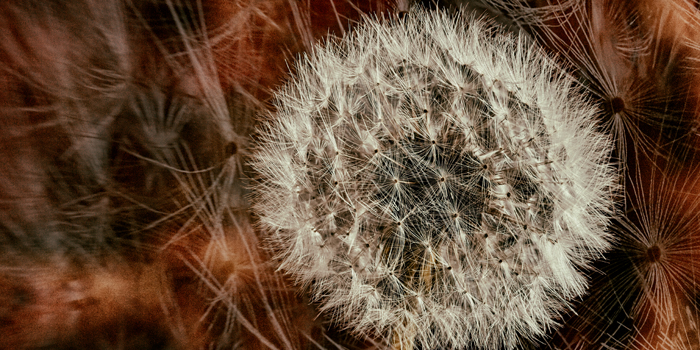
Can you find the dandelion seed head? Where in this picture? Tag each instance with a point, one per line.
(430, 167)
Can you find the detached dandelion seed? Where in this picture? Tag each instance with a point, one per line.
(435, 181)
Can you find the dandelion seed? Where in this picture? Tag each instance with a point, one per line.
(646, 296)
(639, 59)
(630, 56)
(440, 178)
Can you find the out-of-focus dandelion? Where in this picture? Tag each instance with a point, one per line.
(629, 55)
(639, 59)
(435, 181)
(124, 123)
(646, 294)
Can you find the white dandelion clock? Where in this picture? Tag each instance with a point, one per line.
(435, 181)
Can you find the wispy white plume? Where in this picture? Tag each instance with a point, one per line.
(436, 181)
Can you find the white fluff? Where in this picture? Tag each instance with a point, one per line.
(437, 181)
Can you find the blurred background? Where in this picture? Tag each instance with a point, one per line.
(125, 126)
